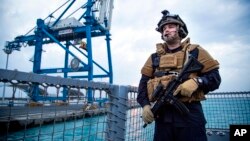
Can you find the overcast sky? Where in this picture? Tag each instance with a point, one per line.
(221, 27)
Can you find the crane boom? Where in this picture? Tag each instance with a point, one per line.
(94, 21)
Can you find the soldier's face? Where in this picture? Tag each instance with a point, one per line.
(170, 32)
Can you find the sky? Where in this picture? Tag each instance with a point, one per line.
(220, 27)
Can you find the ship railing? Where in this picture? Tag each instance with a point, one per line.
(63, 110)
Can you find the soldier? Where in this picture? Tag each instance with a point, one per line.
(169, 59)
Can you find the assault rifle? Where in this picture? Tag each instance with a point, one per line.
(165, 96)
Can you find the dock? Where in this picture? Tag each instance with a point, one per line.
(19, 117)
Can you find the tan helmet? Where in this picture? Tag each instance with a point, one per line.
(175, 19)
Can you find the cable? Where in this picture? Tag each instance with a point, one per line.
(50, 15)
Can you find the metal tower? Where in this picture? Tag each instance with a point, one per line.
(67, 32)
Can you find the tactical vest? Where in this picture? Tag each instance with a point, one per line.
(166, 66)
(163, 67)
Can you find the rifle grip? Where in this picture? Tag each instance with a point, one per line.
(145, 125)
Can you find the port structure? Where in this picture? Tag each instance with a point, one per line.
(68, 32)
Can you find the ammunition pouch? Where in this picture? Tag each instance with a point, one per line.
(153, 83)
(172, 61)
(168, 61)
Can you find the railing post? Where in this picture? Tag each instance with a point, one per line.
(116, 125)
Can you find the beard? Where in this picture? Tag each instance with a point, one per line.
(171, 39)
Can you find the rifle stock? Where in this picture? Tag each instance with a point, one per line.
(167, 97)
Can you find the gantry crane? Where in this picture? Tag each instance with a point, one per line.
(65, 31)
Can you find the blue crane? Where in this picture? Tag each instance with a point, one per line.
(67, 32)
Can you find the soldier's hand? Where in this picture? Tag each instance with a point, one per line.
(147, 114)
(187, 88)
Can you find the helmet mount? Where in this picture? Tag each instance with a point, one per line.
(168, 18)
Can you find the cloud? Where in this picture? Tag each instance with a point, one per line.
(215, 20)
(234, 69)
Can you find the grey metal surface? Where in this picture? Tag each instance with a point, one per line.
(218, 135)
(24, 77)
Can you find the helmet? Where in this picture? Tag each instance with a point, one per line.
(175, 19)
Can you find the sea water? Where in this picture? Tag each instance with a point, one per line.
(219, 112)
(89, 129)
